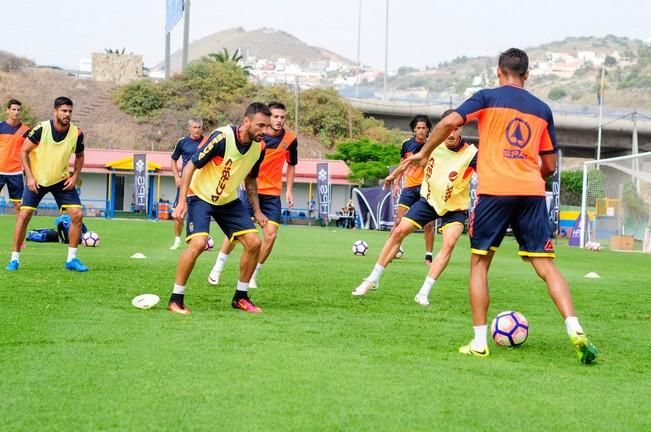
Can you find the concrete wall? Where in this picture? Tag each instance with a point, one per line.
(118, 68)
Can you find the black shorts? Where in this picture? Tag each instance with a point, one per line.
(14, 184)
(232, 218)
(409, 196)
(421, 213)
(64, 198)
(270, 206)
(527, 216)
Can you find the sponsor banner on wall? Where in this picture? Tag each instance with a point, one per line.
(323, 188)
(140, 185)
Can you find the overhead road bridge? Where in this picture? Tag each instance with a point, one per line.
(576, 133)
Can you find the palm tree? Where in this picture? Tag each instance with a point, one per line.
(225, 57)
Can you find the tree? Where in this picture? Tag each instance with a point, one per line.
(225, 57)
(557, 93)
(368, 161)
(610, 61)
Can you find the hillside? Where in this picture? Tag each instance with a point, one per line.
(563, 72)
(104, 125)
(260, 43)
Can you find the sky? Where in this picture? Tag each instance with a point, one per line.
(421, 32)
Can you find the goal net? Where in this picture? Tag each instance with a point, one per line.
(616, 203)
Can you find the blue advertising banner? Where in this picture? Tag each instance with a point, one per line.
(323, 188)
(174, 12)
(140, 181)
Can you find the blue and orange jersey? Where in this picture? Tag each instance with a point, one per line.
(11, 142)
(414, 175)
(278, 150)
(515, 128)
(185, 147)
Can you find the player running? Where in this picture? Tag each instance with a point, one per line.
(45, 156)
(184, 149)
(412, 179)
(210, 182)
(12, 133)
(517, 152)
(444, 193)
(280, 146)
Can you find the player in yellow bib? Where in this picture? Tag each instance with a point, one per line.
(46, 155)
(211, 180)
(444, 193)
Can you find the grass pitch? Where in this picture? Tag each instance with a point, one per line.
(76, 355)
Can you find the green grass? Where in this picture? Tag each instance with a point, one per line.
(75, 355)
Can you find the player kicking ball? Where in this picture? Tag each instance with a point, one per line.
(210, 182)
(445, 194)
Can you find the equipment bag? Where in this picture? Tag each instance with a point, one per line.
(62, 224)
(43, 235)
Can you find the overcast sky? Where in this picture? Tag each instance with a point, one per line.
(421, 32)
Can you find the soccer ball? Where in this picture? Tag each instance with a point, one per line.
(593, 246)
(90, 239)
(510, 328)
(400, 253)
(360, 248)
(210, 244)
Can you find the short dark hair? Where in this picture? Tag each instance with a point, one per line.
(446, 113)
(420, 118)
(257, 107)
(13, 102)
(62, 100)
(276, 105)
(514, 61)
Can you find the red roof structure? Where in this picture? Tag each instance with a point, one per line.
(97, 160)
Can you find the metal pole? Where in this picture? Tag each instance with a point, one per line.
(584, 209)
(186, 33)
(386, 51)
(634, 152)
(359, 39)
(297, 94)
(167, 55)
(601, 110)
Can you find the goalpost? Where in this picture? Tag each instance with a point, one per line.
(616, 202)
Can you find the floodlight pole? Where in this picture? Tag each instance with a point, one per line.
(359, 38)
(635, 150)
(167, 54)
(386, 51)
(186, 34)
(601, 109)
(297, 96)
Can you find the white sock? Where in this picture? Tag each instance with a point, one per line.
(572, 325)
(179, 289)
(221, 262)
(257, 270)
(427, 287)
(479, 342)
(177, 239)
(72, 254)
(242, 286)
(15, 256)
(376, 274)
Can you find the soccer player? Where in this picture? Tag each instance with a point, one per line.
(45, 156)
(211, 182)
(517, 151)
(444, 193)
(281, 147)
(412, 179)
(12, 133)
(184, 149)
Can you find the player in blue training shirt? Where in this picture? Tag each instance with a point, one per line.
(184, 149)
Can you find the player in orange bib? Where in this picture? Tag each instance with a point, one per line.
(411, 179)
(281, 146)
(517, 151)
(12, 133)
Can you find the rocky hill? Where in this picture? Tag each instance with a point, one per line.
(261, 43)
(566, 71)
